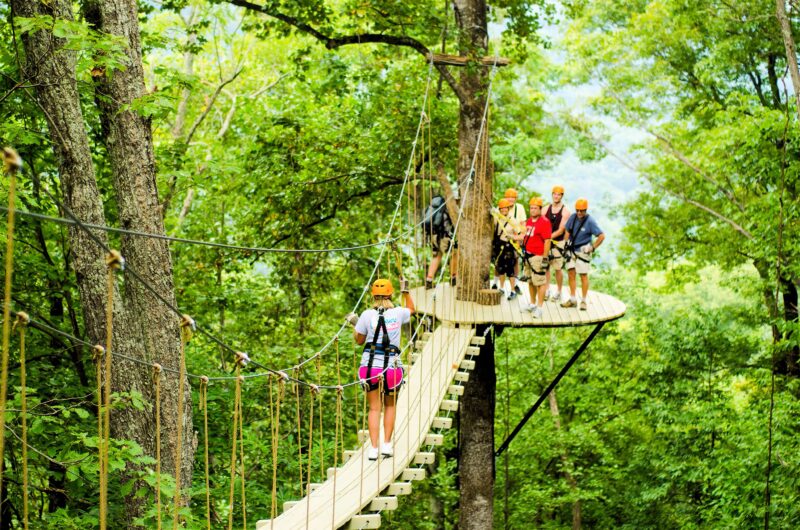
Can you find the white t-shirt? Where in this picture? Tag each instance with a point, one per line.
(368, 321)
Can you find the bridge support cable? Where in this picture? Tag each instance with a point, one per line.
(549, 389)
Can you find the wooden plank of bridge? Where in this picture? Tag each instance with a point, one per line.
(354, 490)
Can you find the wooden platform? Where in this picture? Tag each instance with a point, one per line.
(442, 303)
(363, 485)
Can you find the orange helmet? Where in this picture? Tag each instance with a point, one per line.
(504, 203)
(558, 189)
(581, 204)
(382, 287)
(510, 193)
(535, 201)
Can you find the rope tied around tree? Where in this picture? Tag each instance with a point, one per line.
(157, 370)
(187, 327)
(22, 322)
(114, 262)
(204, 407)
(98, 355)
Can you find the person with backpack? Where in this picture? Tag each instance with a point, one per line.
(504, 255)
(583, 236)
(438, 229)
(536, 248)
(381, 371)
(557, 213)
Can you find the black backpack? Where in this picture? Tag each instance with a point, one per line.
(433, 219)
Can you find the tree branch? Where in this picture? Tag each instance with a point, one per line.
(214, 96)
(683, 159)
(332, 43)
(635, 167)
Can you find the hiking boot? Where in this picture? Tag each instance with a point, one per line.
(386, 449)
(569, 303)
(372, 453)
(583, 305)
(428, 284)
(512, 295)
(536, 312)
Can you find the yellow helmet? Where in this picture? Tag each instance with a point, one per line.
(535, 201)
(510, 193)
(504, 203)
(558, 189)
(581, 204)
(382, 287)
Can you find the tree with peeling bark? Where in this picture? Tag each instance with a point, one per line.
(144, 327)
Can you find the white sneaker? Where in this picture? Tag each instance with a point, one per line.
(536, 312)
(386, 449)
(528, 307)
(372, 453)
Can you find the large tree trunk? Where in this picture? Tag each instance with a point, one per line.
(143, 327)
(476, 435)
(51, 69)
(791, 49)
(129, 141)
(476, 443)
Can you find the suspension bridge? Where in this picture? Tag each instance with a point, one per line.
(440, 352)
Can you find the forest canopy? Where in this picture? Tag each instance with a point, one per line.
(314, 124)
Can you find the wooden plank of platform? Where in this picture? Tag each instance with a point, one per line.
(460, 60)
(601, 308)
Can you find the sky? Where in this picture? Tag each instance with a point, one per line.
(606, 183)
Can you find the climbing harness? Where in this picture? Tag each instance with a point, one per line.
(386, 349)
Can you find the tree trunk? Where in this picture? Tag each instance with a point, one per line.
(791, 49)
(129, 142)
(51, 69)
(476, 435)
(476, 443)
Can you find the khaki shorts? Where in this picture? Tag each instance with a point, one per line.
(557, 251)
(581, 262)
(534, 270)
(440, 244)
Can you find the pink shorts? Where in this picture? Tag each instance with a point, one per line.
(392, 378)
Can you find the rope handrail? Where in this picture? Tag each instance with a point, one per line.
(200, 242)
(41, 326)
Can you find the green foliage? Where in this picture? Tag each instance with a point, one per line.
(286, 144)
